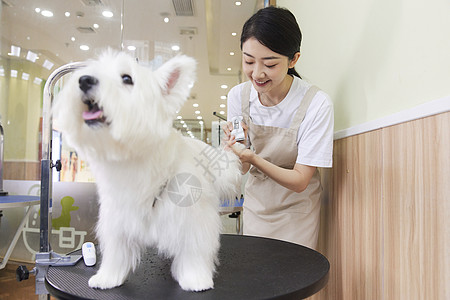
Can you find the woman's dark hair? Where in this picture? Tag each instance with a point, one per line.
(277, 29)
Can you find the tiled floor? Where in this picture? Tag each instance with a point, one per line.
(10, 289)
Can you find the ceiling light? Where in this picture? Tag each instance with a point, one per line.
(228, 69)
(37, 81)
(176, 48)
(231, 53)
(166, 20)
(84, 47)
(182, 122)
(199, 118)
(31, 56)
(224, 86)
(107, 14)
(72, 39)
(197, 112)
(47, 13)
(223, 97)
(222, 105)
(25, 76)
(238, 3)
(195, 105)
(200, 122)
(2, 71)
(179, 117)
(67, 14)
(37, 9)
(221, 112)
(96, 26)
(131, 48)
(14, 73)
(233, 33)
(184, 126)
(15, 51)
(47, 64)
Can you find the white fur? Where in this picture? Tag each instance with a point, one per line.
(134, 157)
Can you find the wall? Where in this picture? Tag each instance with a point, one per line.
(374, 58)
(386, 213)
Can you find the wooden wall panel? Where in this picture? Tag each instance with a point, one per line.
(351, 219)
(415, 208)
(385, 219)
(21, 170)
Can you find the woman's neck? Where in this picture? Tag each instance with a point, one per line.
(273, 98)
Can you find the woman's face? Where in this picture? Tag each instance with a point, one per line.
(266, 69)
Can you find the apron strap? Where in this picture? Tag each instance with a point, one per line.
(301, 111)
(245, 101)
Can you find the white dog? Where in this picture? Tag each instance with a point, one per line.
(156, 187)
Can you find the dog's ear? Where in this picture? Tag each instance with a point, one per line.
(177, 75)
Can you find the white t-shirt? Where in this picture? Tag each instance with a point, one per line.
(315, 135)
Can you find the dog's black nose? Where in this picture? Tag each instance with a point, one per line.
(87, 82)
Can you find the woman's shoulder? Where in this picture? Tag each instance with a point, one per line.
(303, 85)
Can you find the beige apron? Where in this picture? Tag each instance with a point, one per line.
(271, 210)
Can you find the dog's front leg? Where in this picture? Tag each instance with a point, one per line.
(117, 257)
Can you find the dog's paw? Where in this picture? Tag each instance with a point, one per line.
(103, 282)
(195, 284)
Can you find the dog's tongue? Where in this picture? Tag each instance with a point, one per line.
(87, 115)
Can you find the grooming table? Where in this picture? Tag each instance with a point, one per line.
(250, 268)
(11, 201)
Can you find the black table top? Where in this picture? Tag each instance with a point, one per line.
(250, 268)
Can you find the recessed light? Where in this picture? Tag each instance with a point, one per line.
(176, 48)
(67, 14)
(96, 26)
(233, 33)
(200, 122)
(131, 48)
(179, 117)
(31, 56)
(25, 76)
(222, 105)
(197, 112)
(184, 126)
(182, 122)
(223, 97)
(199, 118)
(107, 14)
(37, 9)
(228, 69)
(231, 53)
(84, 47)
(15, 51)
(14, 73)
(48, 64)
(224, 86)
(221, 112)
(37, 81)
(72, 39)
(195, 105)
(238, 3)
(166, 20)
(47, 13)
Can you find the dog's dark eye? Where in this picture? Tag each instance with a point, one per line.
(127, 79)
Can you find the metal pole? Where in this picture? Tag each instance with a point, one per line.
(44, 257)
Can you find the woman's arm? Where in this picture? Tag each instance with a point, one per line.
(296, 179)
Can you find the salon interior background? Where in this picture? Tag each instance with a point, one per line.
(385, 65)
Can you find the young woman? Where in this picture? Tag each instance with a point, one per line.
(289, 125)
